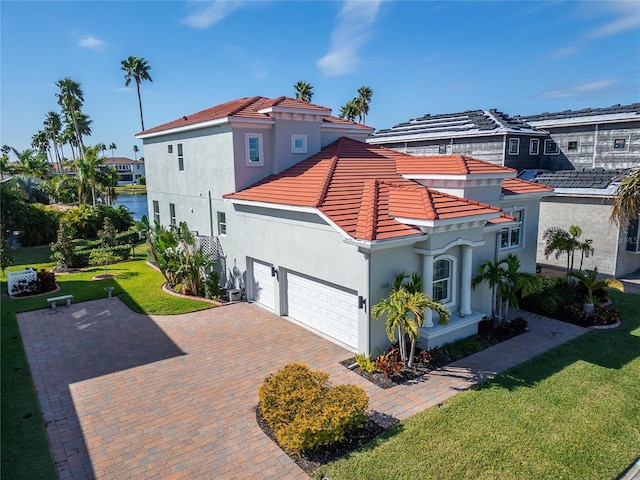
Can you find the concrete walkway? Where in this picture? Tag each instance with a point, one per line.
(126, 395)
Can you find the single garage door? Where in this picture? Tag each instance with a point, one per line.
(325, 308)
(262, 287)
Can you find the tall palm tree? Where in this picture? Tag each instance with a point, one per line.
(135, 151)
(304, 91)
(107, 178)
(71, 100)
(626, 203)
(112, 147)
(84, 125)
(362, 100)
(87, 171)
(40, 142)
(515, 281)
(561, 241)
(491, 273)
(136, 69)
(349, 110)
(53, 127)
(103, 147)
(31, 165)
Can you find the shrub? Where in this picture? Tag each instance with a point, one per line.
(304, 412)
(365, 362)
(82, 257)
(605, 316)
(44, 282)
(63, 249)
(128, 237)
(38, 226)
(390, 363)
(574, 313)
(212, 285)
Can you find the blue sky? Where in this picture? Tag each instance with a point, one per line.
(418, 57)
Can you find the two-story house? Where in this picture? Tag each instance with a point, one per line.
(314, 223)
(129, 170)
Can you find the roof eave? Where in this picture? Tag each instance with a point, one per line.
(210, 123)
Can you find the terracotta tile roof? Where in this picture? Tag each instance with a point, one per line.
(448, 165)
(121, 161)
(356, 185)
(248, 107)
(503, 218)
(516, 186)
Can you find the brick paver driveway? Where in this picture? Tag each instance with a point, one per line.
(125, 395)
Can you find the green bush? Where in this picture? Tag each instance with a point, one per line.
(304, 412)
(39, 226)
(82, 257)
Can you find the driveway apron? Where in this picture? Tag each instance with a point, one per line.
(126, 395)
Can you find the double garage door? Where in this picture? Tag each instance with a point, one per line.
(328, 309)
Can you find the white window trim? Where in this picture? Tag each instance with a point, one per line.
(536, 142)
(220, 223)
(172, 214)
(298, 136)
(523, 217)
(453, 279)
(557, 150)
(517, 143)
(249, 163)
(156, 212)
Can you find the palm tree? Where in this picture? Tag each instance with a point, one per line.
(404, 309)
(136, 69)
(349, 110)
(107, 178)
(362, 101)
(304, 91)
(626, 203)
(31, 165)
(586, 250)
(71, 99)
(515, 281)
(135, 151)
(87, 170)
(5, 166)
(112, 147)
(103, 148)
(591, 282)
(563, 241)
(53, 127)
(491, 273)
(40, 142)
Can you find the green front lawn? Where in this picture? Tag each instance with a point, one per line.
(571, 413)
(24, 444)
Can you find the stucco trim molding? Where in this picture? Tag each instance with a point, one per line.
(455, 243)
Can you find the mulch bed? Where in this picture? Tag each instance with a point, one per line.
(311, 461)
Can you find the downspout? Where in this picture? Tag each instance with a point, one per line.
(210, 215)
(366, 306)
(595, 146)
(451, 143)
(504, 150)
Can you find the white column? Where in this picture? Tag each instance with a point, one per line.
(427, 286)
(465, 280)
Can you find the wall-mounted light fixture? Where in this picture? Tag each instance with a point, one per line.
(362, 302)
(274, 271)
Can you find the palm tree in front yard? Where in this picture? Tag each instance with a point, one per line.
(591, 283)
(491, 273)
(626, 203)
(515, 281)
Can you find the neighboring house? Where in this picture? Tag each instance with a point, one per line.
(485, 134)
(584, 198)
(607, 137)
(314, 223)
(128, 170)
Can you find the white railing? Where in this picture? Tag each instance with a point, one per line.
(29, 275)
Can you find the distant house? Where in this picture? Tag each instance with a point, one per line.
(584, 198)
(128, 170)
(313, 223)
(606, 138)
(489, 135)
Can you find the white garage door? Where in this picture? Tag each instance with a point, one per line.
(262, 288)
(328, 309)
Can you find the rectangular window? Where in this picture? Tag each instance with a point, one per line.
(534, 146)
(298, 143)
(169, 148)
(172, 213)
(442, 149)
(442, 281)
(633, 237)
(550, 147)
(511, 237)
(514, 146)
(180, 158)
(253, 147)
(222, 223)
(619, 143)
(572, 146)
(156, 211)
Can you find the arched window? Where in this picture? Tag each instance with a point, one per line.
(443, 280)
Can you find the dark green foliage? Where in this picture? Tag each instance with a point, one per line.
(5, 251)
(44, 282)
(38, 226)
(304, 412)
(108, 233)
(86, 220)
(63, 249)
(212, 285)
(82, 258)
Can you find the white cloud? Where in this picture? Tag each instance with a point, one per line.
(350, 34)
(627, 15)
(212, 13)
(587, 89)
(92, 43)
(563, 52)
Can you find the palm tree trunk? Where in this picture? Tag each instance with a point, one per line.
(140, 105)
(412, 354)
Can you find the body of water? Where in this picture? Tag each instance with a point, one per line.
(136, 204)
